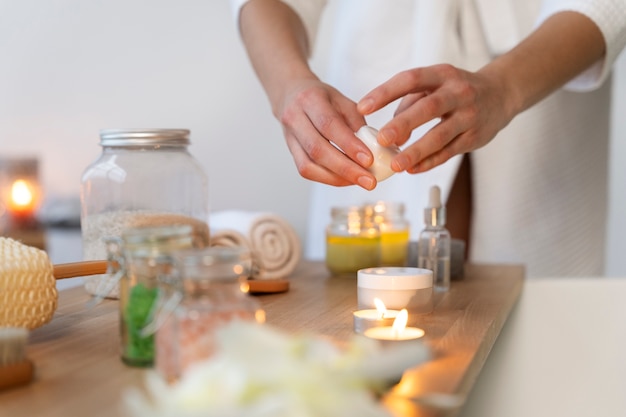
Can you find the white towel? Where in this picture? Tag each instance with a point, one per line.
(228, 238)
(274, 243)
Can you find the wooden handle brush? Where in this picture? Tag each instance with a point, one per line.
(81, 269)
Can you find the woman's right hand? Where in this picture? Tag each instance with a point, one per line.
(314, 116)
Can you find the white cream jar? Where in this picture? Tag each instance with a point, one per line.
(397, 288)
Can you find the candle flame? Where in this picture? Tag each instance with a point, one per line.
(21, 194)
(380, 306)
(399, 324)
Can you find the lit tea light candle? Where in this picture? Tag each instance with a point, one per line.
(20, 193)
(370, 318)
(22, 200)
(396, 332)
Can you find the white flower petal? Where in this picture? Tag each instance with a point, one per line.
(259, 371)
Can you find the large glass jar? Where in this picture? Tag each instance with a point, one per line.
(394, 231)
(143, 177)
(208, 291)
(352, 241)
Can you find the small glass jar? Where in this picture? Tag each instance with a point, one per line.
(207, 291)
(352, 241)
(143, 177)
(140, 258)
(394, 231)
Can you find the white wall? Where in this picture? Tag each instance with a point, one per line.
(69, 68)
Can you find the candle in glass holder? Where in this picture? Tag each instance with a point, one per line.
(396, 332)
(369, 318)
(20, 193)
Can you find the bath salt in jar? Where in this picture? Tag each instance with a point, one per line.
(143, 177)
(206, 290)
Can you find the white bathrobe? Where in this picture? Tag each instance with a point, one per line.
(540, 187)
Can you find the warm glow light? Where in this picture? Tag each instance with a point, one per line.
(21, 194)
(399, 324)
(259, 316)
(396, 332)
(380, 307)
(23, 197)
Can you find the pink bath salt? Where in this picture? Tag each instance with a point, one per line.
(185, 339)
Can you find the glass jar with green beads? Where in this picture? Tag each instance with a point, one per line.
(141, 256)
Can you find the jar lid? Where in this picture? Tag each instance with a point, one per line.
(150, 240)
(144, 137)
(381, 207)
(395, 278)
(216, 263)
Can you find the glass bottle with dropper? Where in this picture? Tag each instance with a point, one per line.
(434, 242)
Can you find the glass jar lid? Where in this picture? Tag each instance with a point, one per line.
(153, 240)
(144, 137)
(215, 263)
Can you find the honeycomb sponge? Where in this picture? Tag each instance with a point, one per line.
(28, 294)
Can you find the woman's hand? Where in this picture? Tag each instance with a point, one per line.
(473, 106)
(471, 109)
(314, 114)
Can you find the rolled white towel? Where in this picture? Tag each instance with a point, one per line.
(228, 238)
(274, 243)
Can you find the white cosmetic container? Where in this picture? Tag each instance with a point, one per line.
(381, 168)
(397, 288)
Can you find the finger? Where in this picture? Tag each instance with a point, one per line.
(415, 80)
(354, 119)
(334, 117)
(398, 130)
(463, 143)
(321, 153)
(309, 170)
(339, 126)
(436, 139)
(455, 147)
(408, 101)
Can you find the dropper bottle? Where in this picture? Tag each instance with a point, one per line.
(434, 242)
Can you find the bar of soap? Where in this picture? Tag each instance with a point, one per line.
(381, 168)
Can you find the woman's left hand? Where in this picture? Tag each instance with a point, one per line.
(471, 108)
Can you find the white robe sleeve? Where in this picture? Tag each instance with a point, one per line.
(309, 11)
(610, 16)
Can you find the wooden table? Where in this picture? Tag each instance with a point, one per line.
(79, 372)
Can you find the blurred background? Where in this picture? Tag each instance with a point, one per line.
(70, 68)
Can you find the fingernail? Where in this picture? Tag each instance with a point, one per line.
(388, 136)
(364, 159)
(400, 163)
(365, 105)
(366, 182)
